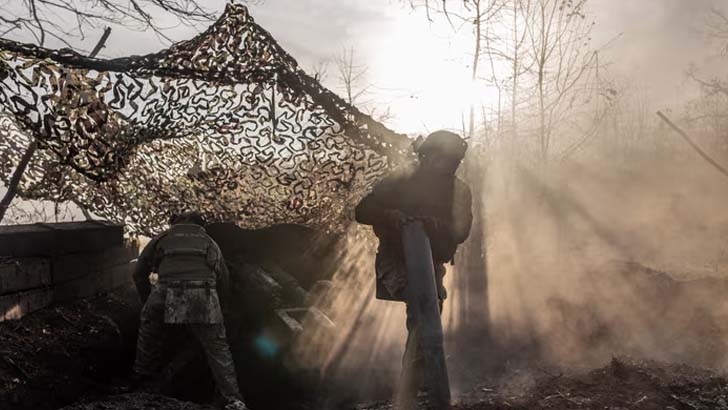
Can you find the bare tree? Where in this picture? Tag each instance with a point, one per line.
(518, 38)
(33, 211)
(508, 48)
(15, 179)
(558, 42)
(712, 85)
(14, 182)
(540, 61)
(352, 76)
(707, 114)
(320, 70)
(717, 27)
(65, 19)
(716, 30)
(50, 18)
(355, 86)
(476, 15)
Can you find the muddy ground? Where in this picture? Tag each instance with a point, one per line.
(52, 357)
(78, 356)
(140, 401)
(624, 383)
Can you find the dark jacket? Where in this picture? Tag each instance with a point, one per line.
(182, 253)
(417, 194)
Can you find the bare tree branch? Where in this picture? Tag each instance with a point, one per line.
(717, 27)
(102, 42)
(30, 151)
(52, 18)
(34, 11)
(712, 86)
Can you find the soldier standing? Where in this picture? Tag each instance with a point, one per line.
(191, 291)
(433, 195)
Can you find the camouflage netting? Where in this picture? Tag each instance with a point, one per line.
(226, 123)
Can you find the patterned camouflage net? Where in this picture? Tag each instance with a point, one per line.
(226, 123)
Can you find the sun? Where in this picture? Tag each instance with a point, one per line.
(425, 72)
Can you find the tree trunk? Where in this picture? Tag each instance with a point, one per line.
(542, 115)
(15, 179)
(514, 97)
(28, 155)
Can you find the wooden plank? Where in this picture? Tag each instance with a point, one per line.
(90, 285)
(73, 266)
(46, 239)
(121, 276)
(25, 240)
(87, 236)
(24, 273)
(17, 305)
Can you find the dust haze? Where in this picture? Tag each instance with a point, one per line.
(587, 260)
(592, 261)
(599, 231)
(617, 248)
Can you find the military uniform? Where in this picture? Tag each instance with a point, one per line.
(190, 291)
(417, 194)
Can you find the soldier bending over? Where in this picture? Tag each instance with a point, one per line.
(191, 271)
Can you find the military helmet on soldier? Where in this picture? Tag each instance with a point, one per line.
(187, 217)
(443, 143)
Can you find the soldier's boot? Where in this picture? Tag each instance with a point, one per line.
(236, 404)
(220, 360)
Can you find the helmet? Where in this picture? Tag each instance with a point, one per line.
(189, 217)
(444, 143)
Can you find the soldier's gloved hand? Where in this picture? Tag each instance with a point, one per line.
(396, 218)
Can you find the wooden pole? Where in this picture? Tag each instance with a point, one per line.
(695, 146)
(15, 179)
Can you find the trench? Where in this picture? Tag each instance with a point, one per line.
(84, 351)
(58, 355)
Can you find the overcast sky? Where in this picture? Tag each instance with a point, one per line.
(421, 69)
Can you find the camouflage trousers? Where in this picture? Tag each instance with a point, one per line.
(211, 336)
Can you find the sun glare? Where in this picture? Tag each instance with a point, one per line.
(425, 72)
